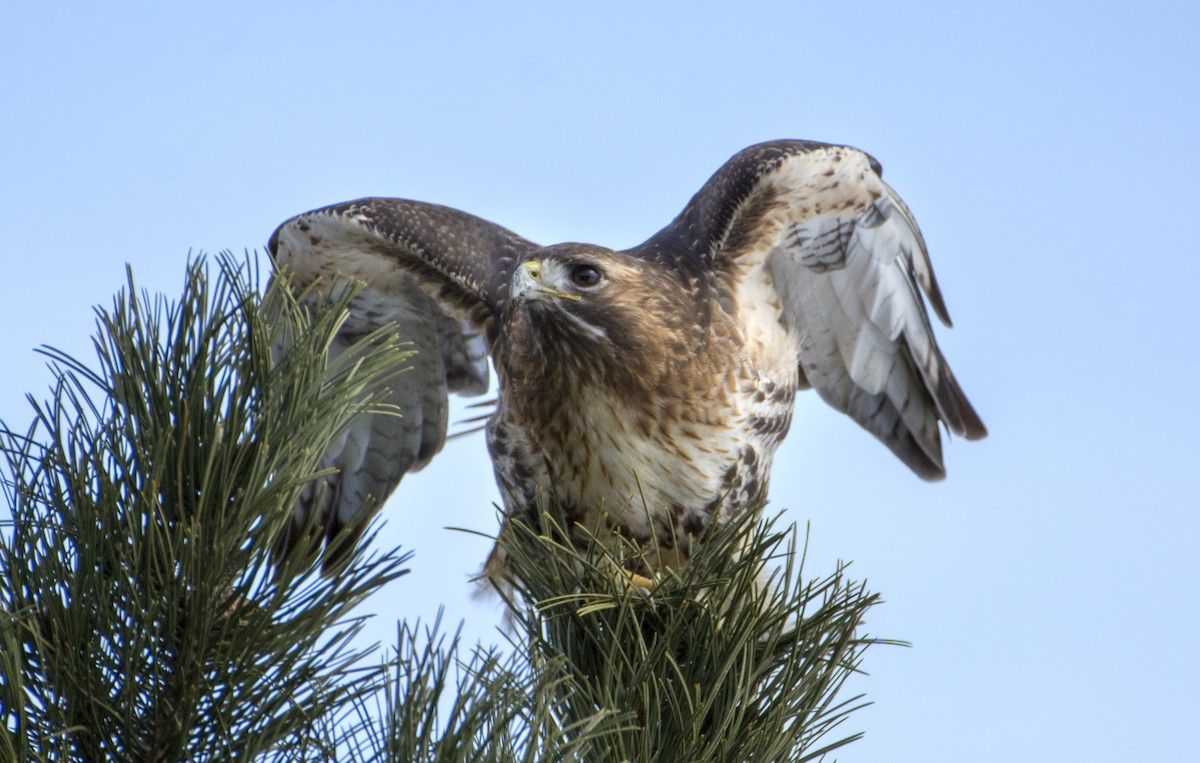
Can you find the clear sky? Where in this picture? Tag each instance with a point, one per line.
(1049, 151)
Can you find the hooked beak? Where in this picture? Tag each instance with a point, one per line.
(527, 284)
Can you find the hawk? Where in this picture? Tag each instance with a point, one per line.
(643, 390)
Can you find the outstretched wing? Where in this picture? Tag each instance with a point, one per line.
(437, 274)
(848, 266)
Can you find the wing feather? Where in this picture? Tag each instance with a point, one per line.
(434, 274)
(849, 266)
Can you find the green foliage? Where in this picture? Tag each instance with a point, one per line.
(142, 620)
(731, 657)
(486, 708)
(144, 616)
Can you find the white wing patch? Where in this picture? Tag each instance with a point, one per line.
(849, 264)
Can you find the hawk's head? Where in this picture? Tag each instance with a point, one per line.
(583, 309)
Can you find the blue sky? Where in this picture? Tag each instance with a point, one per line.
(1048, 150)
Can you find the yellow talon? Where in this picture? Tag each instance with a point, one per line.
(634, 580)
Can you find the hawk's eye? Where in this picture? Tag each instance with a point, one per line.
(585, 276)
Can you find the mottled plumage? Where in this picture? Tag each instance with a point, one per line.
(665, 373)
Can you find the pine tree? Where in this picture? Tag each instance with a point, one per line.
(145, 617)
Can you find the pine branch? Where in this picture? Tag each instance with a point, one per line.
(439, 707)
(730, 658)
(142, 618)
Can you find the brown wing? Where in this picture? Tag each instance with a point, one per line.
(848, 265)
(437, 275)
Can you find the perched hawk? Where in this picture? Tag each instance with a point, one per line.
(646, 388)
